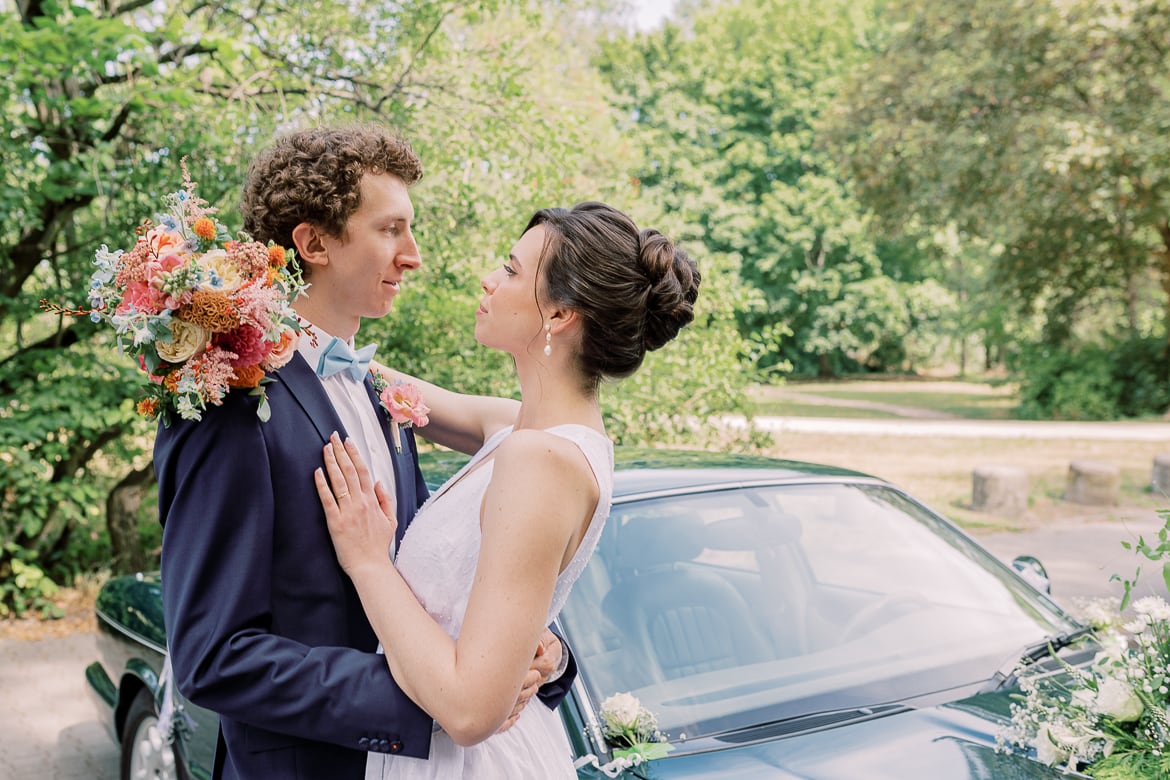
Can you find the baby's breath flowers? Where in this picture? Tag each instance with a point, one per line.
(202, 312)
(1108, 718)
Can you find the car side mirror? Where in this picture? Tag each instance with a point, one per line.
(1033, 572)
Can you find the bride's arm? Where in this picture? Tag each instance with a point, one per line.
(541, 494)
(459, 421)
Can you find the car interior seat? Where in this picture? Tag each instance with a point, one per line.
(677, 617)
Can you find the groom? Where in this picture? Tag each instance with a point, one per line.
(263, 626)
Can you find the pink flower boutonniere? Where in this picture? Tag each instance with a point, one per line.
(404, 403)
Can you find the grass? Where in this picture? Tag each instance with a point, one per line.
(939, 470)
(965, 399)
(798, 409)
(971, 406)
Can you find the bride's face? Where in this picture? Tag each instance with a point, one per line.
(509, 314)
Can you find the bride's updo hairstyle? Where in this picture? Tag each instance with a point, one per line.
(634, 290)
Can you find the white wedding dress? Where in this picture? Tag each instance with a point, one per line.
(438, 558)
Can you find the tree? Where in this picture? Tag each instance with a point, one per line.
(1038, 128)
(100, 102)
(726, 103)
(569, 149)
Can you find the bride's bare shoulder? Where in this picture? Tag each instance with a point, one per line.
(535, 454)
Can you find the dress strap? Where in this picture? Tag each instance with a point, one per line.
(488, 447)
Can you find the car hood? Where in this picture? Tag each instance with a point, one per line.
(955, 741)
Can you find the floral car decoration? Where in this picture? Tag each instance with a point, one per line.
(632, 732)
(1109, 719)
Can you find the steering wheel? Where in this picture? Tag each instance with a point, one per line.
(885, 609)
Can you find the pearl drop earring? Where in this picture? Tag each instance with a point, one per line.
(547, 340)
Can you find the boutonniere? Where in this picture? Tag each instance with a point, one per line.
(404, 403)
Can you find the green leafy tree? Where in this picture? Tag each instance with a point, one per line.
(99, 104)
(572, 150)
(103, 101)
(726, 104)
(1038, 128)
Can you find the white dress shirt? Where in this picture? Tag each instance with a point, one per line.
(352, 404)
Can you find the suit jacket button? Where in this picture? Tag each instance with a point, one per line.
(395, 747)
(364, 743)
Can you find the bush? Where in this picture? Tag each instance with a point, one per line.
(1094, 381)
(1141, 368)
(24, 587)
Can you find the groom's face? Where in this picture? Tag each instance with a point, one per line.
(366, 265)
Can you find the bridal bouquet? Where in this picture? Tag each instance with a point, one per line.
(1108, 718)
(202, 312)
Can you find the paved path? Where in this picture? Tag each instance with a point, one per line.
(1081, 553)
(49, 730)
(977, 429)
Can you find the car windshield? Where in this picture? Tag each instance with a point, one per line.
(733, 608)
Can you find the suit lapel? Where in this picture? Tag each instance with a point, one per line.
(305, 387)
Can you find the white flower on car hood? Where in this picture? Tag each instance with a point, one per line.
(1118, 701)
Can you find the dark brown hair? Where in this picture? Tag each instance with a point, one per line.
(633, 289)
(315, 176)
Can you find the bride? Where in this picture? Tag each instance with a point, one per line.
(490, 558)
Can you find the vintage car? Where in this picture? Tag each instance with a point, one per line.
(781, 620)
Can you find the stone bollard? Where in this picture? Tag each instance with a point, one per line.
(1160, 481)
(1093, 482)
(1002, 490)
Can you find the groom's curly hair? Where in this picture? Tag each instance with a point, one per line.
(315, 176)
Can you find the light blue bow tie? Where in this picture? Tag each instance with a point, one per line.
(338, 356)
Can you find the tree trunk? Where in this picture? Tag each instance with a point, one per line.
(824, 366)
(122, 507)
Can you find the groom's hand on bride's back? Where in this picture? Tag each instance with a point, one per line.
(545, 663)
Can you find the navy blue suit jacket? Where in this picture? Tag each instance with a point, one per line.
(263, 626)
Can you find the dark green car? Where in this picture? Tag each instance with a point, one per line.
(781, 620)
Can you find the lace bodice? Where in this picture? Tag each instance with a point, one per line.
(440, 550)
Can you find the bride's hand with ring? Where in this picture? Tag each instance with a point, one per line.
(359, 512)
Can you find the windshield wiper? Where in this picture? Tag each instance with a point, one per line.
(813, 721)
(1050, 646)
